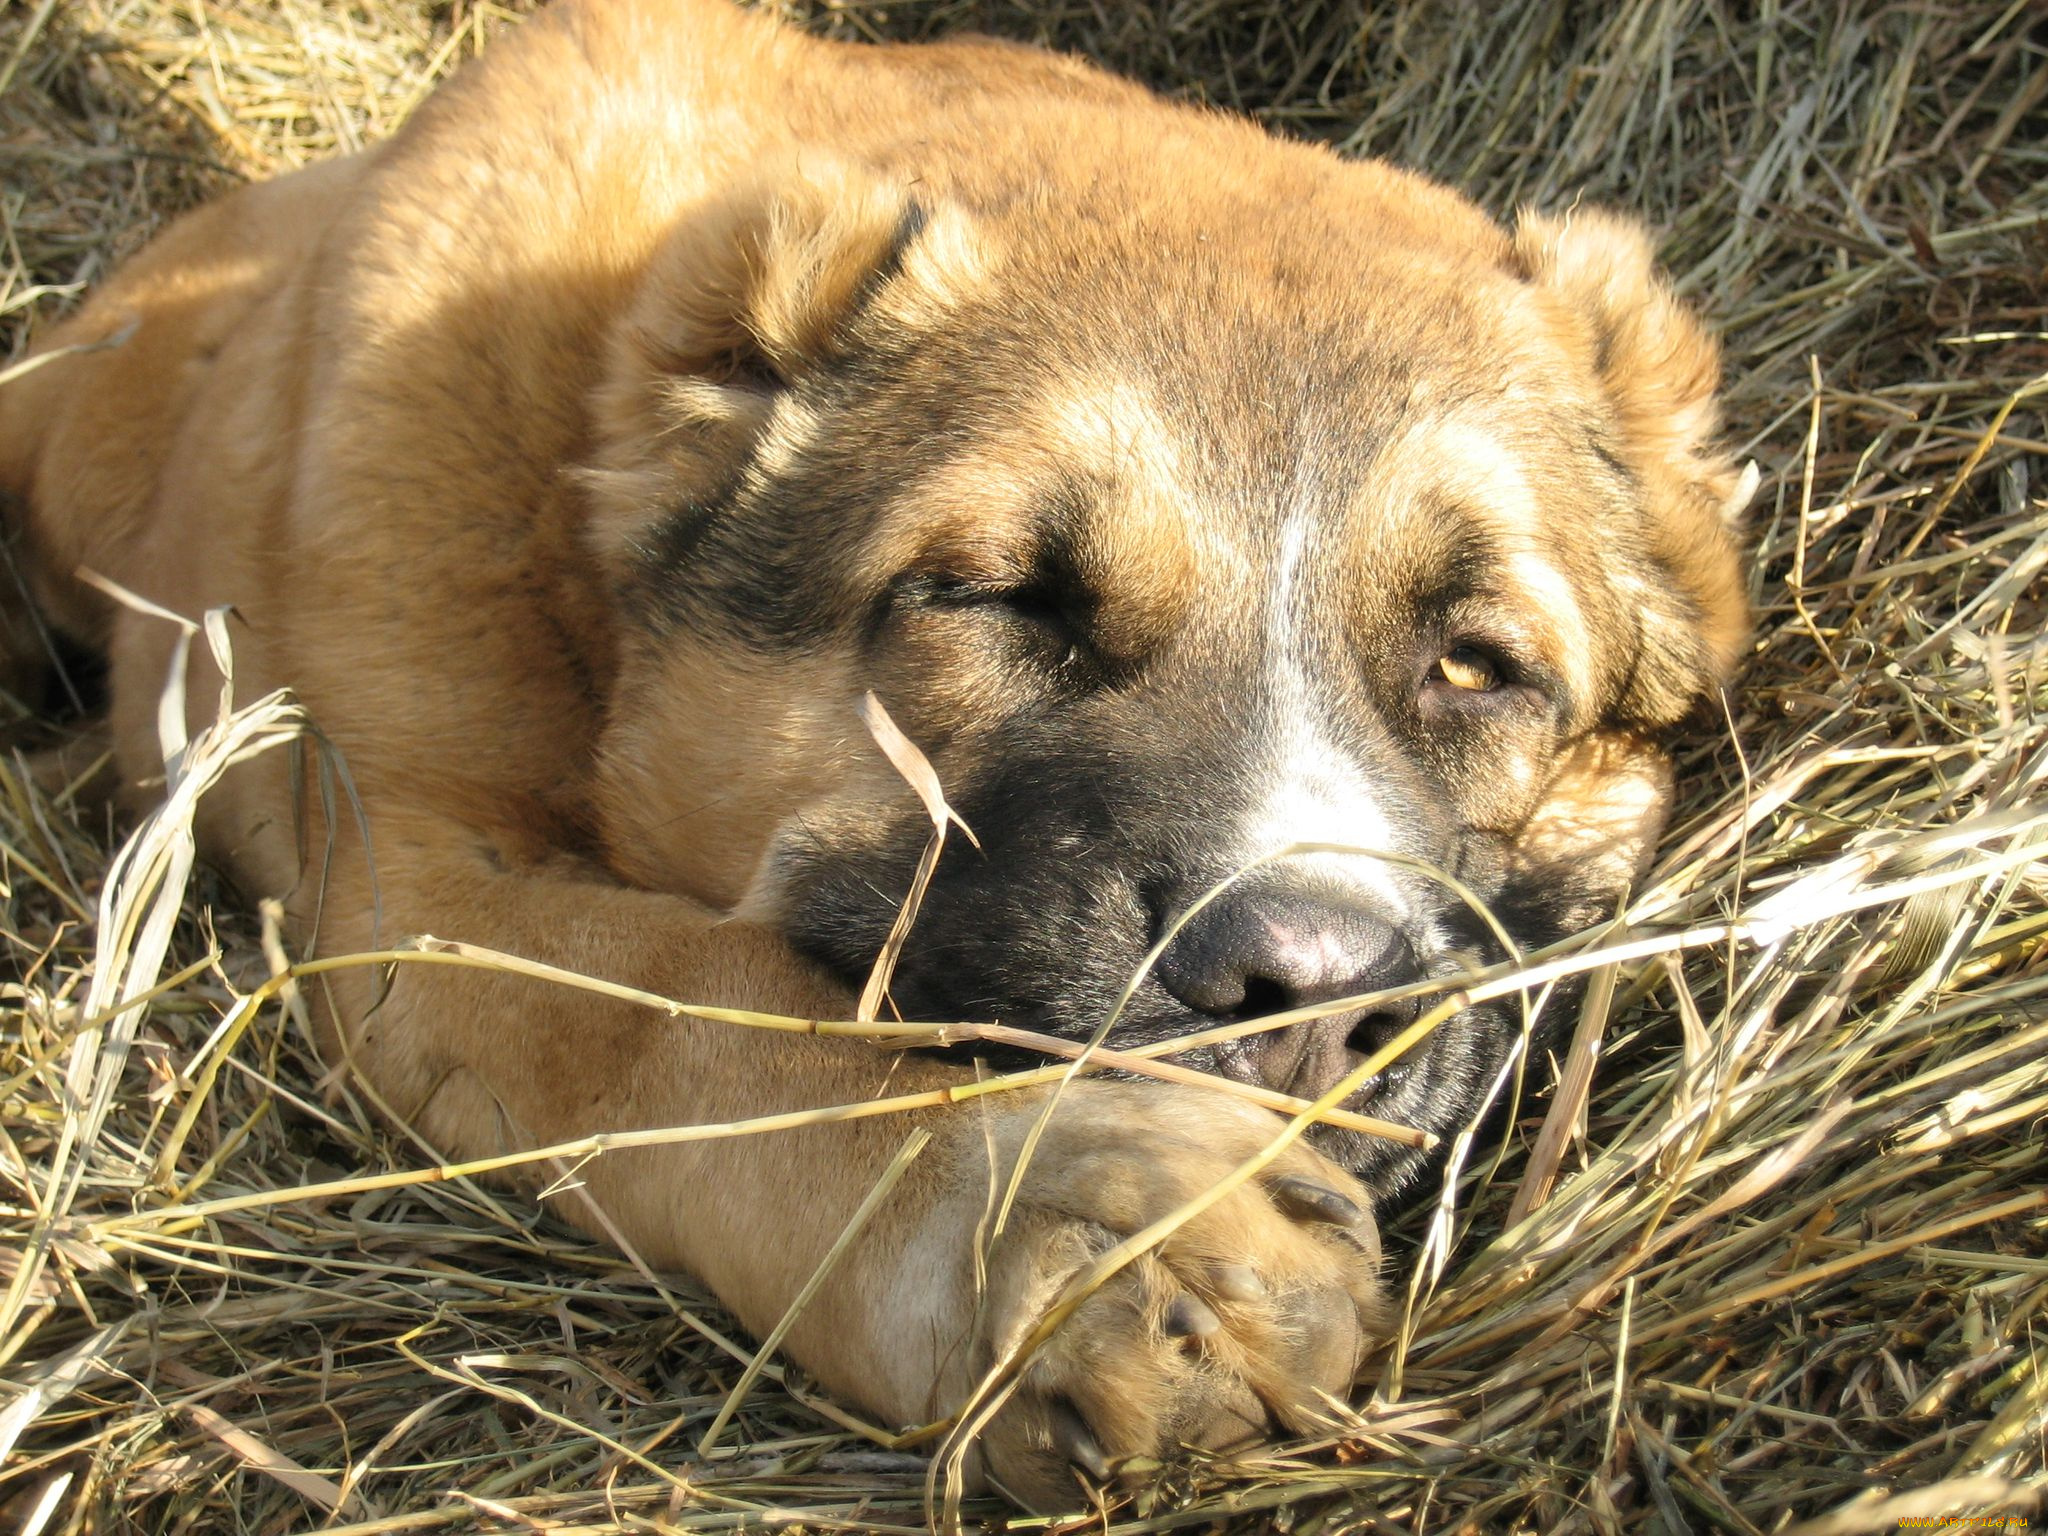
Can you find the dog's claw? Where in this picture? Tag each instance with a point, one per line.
(1189, 1317)
(1310, 1201)
(1072, 1439)
(1237, 1282)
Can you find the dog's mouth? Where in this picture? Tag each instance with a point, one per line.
(1380, 1085)
(1309, 1059)
(1304, 1059)
(1308, 1077)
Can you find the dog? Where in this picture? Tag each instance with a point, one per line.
(1281, 564)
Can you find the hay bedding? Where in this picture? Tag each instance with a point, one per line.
(1786, 1266)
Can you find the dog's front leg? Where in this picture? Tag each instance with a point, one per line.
(1243, 1316)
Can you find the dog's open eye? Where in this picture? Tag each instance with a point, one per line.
(1468, 668)
(1474, 678)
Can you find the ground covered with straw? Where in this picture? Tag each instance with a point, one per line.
(1773, 1257)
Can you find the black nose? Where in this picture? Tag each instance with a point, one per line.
(1262, 951)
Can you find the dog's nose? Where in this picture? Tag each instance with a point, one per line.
(1264, 951)
(1260, 952)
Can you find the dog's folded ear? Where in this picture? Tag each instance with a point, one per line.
(745, 300)
(1660, 370)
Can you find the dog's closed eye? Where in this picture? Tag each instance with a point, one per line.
(1050, 614)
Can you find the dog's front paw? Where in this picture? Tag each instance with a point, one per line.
(1241, 1321)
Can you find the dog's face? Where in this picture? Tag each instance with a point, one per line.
(1176, 537)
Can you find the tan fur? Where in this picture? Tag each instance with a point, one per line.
(412, 413)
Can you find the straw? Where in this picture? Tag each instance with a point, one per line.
(1773, 1258)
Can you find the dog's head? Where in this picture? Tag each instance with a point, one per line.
(1183, 506)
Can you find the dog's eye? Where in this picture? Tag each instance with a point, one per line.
(1033, 607)
(1061, 627)
(1467, 668)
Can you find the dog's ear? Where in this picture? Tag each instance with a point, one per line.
(745, 299)
(1660, 371)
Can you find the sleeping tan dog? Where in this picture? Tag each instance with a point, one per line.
(582, 455)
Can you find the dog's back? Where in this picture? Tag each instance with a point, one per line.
(88, 438)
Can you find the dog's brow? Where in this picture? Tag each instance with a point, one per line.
(1459, 461)
(1129, 484)
(1111, 427)
(1457, 467)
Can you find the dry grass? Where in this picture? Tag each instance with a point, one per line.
(1785, 1266)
